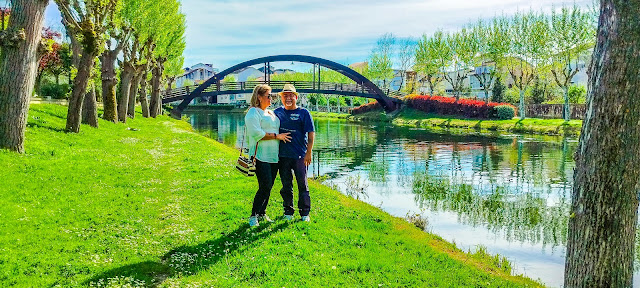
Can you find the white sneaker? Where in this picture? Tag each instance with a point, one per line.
(305, 218)
(253, 221)
(287, 217)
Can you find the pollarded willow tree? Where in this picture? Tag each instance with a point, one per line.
(406, 58)
(86, 22)
(20, 52)
(528, 51)
(491, 41)
(168, 37)
(604, 208)
(464, 50)
(442, 52)
(572, 35)
(427, 64)
(117, 36)
(381, 60)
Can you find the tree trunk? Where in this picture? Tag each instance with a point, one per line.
(170, 81)
(602, 226)
(18, 68)
(521, 112)
(90, 108)
(126, 76)
(143, 95)
(156, 100)
(38, 86)
(133, 92)
(79, 90)
(109, 81)
(566, 113)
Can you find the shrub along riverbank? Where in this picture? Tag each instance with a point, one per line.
(414, 118)
(151, 203)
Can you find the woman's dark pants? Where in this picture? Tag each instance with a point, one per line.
(287, 166)
(266, 174)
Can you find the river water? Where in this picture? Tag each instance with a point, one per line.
(508, 193)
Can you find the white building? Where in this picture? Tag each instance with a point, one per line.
(197, 74)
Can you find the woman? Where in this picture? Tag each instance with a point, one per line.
(263, 142)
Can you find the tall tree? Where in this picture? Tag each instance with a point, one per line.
(528, 51)
(51, 60)
(108, 71)
(406, 57)
(427, 63)
(86, 21)
(604, 205)
(572, 35)
(381, 60)
(463, 49)
(491, 41)
(127, 73)
(20, 51)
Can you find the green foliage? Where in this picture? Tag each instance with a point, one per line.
(505, 112)
(179, 219)
(55, 91)
(188, 82)
(572, 34)
(538, 92)
(229, 78)
(380, 66)
(497, 93)
(512, 95)
(577, 94)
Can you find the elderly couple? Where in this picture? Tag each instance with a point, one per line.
(281, 140)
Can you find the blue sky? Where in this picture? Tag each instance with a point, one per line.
(228, 32)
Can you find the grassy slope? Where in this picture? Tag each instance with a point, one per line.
(415, 118)
(160, 205)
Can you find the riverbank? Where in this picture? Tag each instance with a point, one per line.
(413, 118)
(152, 203)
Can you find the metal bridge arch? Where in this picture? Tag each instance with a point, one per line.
(388, 103)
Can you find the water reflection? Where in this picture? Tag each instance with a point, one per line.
(506, 190)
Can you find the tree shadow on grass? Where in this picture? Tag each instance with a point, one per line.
(40, 125)
(187, 260)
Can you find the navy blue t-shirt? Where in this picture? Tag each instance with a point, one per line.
(297, 122)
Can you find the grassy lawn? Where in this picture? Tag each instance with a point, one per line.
(152, 204)
(330, 115)
(416, 118)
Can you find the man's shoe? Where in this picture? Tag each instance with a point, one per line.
(264, 218)
(253, 221)
(287, 217)
(305, 218)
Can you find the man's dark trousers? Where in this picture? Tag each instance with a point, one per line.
(287, 166)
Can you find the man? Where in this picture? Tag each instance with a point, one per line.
(295, 156)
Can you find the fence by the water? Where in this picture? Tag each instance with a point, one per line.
(554, 111)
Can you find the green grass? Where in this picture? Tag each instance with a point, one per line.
(151, 203)
(415, 118)
(330, 115)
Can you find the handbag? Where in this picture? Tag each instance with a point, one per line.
(246, 166)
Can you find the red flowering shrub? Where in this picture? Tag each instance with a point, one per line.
(449, 106)
(366, 108)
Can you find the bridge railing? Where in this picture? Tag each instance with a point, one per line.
(276, 85)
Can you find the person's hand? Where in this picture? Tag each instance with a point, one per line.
(284, 137)
(307, 158)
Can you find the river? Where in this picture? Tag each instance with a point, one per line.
(508, 193)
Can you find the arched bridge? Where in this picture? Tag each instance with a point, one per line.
(362, 87)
